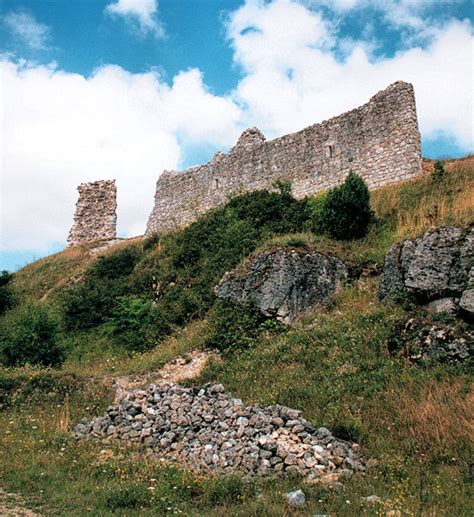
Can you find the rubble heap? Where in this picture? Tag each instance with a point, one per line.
(207, 429)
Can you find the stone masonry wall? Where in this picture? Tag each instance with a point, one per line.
(379, 140)
(96, 213)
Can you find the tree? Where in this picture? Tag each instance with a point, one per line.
(346, 212)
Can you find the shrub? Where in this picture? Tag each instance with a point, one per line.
(438, 173)
(29, 334)
(7, 297)
(92, 302)
(346, 212)
(235, 327)
(132, 323)
(315, 208)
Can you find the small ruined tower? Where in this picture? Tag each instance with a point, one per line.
(96, 213)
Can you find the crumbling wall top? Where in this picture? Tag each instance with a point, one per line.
(96, 213)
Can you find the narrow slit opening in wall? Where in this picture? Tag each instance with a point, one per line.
(216, 183)
(331, 151)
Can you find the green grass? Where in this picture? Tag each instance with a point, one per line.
(416, 422)
(334, 366)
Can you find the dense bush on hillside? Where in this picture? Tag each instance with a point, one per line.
(178, 272)
(236, 327)
(133, 323)
(345, 212)
(92, 301)
(29, 334)
(7, 297)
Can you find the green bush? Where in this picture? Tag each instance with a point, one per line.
(234, 326)
(346, 212)
(133, 324)
(7, 296)
(439, 172)
(29, 334)
(315, 208)
(92, 302)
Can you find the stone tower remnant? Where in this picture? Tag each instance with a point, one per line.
(379, 140)
(96, 213)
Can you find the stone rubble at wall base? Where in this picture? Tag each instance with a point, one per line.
(207, 430)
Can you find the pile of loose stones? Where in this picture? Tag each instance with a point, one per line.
(207, 429)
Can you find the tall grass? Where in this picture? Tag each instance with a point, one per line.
(412, 207)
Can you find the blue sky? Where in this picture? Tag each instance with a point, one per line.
(96, 89)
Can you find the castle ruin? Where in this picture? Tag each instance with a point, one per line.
(380, 141)
(96, 213)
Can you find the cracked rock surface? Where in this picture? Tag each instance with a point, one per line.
(284, 282)
(437, 266)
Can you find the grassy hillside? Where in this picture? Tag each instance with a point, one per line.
(415, 422)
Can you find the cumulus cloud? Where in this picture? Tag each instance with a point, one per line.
(398, 12)
(297, 80)
(141, 13)
(64, 129)
(27, 30)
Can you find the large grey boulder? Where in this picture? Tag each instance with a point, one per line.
(284, 282)
(432, 267)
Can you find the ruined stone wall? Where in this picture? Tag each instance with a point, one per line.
(379, 140)
(96, 213)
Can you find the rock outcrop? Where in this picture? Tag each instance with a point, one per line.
(284, 282)
(425, 341)
(208, 430)
(439, 265)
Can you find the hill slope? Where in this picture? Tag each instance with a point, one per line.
(415, 422)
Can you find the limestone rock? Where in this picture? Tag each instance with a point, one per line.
(434, 267)
(208, 430)
(467, 302)
(442, 306)
(284, 282)
(296, 498)
(422, 340)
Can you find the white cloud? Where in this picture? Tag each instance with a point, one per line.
(61, 129)
(296, 80)
(64, 129)
(140, 12)
(28, 30)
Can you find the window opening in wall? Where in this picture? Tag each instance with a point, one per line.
(216, 183)
(329, 151)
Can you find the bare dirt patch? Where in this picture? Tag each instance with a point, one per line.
(181, 368)
(13, 505)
